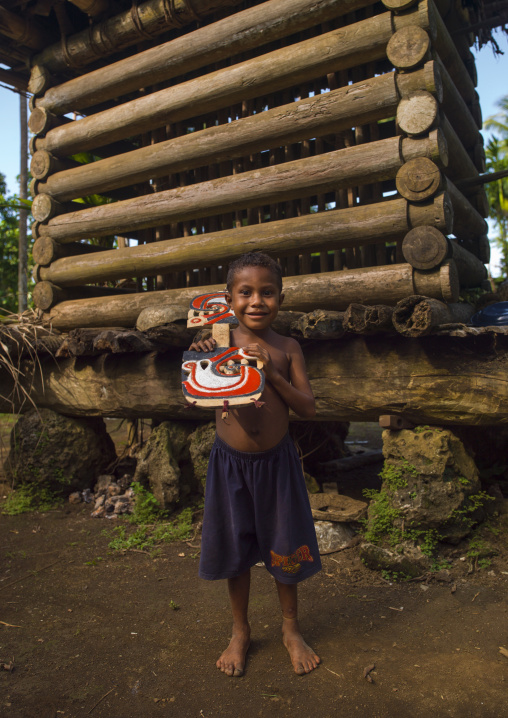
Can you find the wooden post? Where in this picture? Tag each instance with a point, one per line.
(363, 164)
(334, 229)
(368, 101)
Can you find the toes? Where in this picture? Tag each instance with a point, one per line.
(238, 672)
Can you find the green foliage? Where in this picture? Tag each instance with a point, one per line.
(471, 505)
(394, 576)
(146, 507)
(382, 516)
(393, 477)
(147, 537)
(496, 153)
(30, 497)
(9, 237)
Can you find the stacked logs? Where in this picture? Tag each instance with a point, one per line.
(295, 152)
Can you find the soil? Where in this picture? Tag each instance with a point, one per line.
(123, 635)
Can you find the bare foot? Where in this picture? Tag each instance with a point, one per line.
(232, 661)
(302, 656)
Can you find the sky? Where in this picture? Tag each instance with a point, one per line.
(492, 86)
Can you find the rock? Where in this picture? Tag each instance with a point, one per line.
(332, 536)
(200, 445)
(123, 505)
(407, 560)
(87, 496)
(330, 487)
(158, 464)
(335, 507)
(100, 501)
(444, 576)
(98, 513)
(102, 484)
(113, 489)
(75, 498)
(58, 453)
(429, 476)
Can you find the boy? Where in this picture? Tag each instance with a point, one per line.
(256, 503)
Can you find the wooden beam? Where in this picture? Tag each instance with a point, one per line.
(348, 167)
(236, 33)
(334, 229)
(328, 290)
(434, 380)
(339, 49)
(367, 101)
(148, 19)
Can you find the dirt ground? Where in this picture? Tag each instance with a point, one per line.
(96, 632)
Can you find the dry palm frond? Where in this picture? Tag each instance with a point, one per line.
(22, 338)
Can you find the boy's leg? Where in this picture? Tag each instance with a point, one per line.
(302, 656)
(232, 661)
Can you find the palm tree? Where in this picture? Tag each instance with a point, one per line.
(496, 153)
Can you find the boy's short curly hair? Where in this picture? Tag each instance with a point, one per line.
(254, 259)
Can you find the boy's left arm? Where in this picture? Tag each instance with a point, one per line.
(297, 392)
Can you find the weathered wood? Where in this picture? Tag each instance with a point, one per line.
(45, 250)
(25, 30)
(328, 290)
(352, 166)
(40, 80)
(319, 324)
(44, 207)
(426, 248)
(460, 163)
(457, 111)
(339, 49)
(418, 113)
(408, 47)
(334, 229)
(150, 18)
(223, 39)
(434, 379)
(43, 163)
(367, 101)
(467, 221)
(363, 319)
(92, 7)
(42, 121)
(79, 342)
(417, 316)
(46, 294)
(418, 180)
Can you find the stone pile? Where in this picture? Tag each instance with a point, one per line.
(111, 498)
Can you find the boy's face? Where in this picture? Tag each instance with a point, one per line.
(255, 297)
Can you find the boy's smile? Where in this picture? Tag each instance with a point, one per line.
(255, 297)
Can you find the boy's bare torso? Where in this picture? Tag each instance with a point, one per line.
(258, 429)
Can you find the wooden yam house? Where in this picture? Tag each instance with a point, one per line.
(340, 136)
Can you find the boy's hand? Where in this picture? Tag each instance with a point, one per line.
(203, 345)
(263, 355)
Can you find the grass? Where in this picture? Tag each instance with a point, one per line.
(30, 497)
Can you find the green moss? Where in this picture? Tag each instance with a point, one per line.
(29, 497)
(392, 477)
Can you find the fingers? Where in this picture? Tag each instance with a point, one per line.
(204, 345)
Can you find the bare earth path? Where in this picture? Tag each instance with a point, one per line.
(96, 635)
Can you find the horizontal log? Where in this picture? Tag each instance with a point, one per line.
(426, 247)
(328, 290)
(419, 179)
(223, 39)
(352, 166)
(363, 319)
(319, 325)
(42, 121)
(45, 294)
(334, 229)
(23, 28)
(45, 251)
(408, 47)
(457, 111)
(417, 316)
(43, 163)
(150, 18)
(467, 221)
(363, 102)
(418, 113)
(431, 381)
(339, 49)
